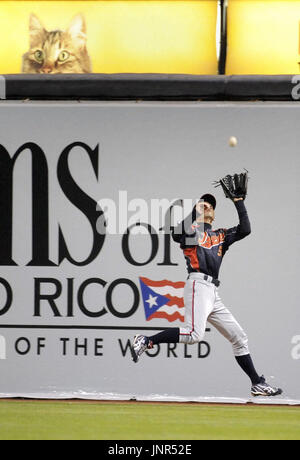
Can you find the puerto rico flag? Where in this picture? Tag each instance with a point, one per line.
(163, 299)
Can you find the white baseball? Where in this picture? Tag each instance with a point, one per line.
(233, 141)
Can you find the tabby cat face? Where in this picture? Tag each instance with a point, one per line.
(57, 51)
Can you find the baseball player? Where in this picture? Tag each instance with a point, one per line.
(204, 249)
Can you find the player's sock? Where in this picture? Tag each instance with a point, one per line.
(170, 335)
(246, 364)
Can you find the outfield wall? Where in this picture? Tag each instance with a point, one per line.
(71, 297)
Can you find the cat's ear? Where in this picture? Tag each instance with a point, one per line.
(36, 28)
(77, 30)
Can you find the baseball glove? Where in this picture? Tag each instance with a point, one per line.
(235, 186)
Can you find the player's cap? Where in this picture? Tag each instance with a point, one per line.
(209, 199)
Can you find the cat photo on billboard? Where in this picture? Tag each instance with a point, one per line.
(57, 51)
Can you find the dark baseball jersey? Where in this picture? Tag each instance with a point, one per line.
(205, 248)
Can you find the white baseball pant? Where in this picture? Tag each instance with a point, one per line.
(203, 304)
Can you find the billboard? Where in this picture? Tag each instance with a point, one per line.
(263, 37)
(108, 36)
(87, 261)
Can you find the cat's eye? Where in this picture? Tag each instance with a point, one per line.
(39, 56)
(63, 56)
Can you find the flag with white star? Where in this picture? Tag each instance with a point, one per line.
(163, 299)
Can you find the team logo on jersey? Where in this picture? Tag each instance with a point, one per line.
(209, 241)
(163, 299)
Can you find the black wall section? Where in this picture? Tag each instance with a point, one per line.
(223, 38)
(148, 87)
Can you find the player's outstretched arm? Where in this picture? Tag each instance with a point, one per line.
(244, 226)
(243, 229)
(235, 187)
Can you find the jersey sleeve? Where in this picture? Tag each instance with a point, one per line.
(242, 230)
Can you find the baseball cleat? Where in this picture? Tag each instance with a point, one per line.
(139, 345)
(264, 389)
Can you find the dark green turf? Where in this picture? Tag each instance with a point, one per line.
(116, 421)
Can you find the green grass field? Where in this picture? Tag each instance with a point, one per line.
(63, 420)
